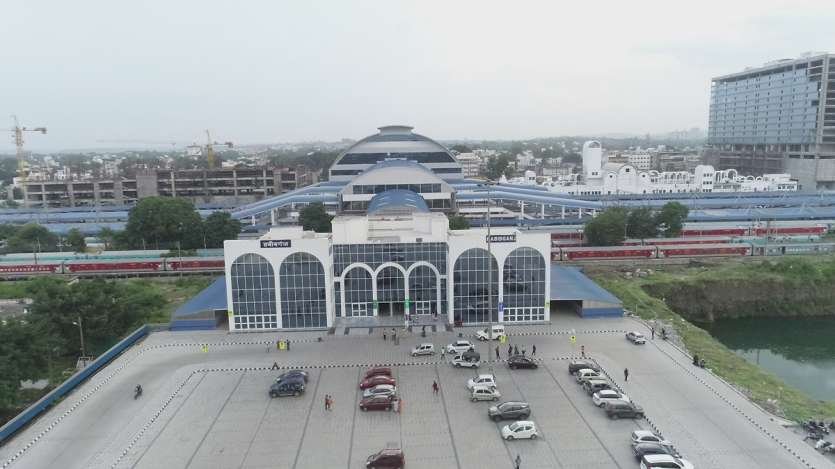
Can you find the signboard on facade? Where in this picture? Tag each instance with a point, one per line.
(502, 238)
(275, 243)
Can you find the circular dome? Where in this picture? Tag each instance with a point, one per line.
(397, 202)
(395, 142)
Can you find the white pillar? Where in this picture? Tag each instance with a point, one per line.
(272, 217)
(562, 212)
(542, 212)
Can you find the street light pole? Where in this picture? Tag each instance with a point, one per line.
(489, 280)
(81, 335)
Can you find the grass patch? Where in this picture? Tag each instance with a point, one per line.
(760, 386)
(14, 289)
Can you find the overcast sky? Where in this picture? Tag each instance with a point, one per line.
(278, 71)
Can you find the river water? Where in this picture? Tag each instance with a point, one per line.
(801, 351)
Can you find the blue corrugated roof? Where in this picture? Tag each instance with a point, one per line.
(397, 199)
(570, 284)
(210, 299)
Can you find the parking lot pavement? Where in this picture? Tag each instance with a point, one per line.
(211, 408)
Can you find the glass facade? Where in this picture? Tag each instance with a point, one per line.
(391, 294)
(253, 293)
(772, 106)
(524, 286)
(420, 157)
(359, 293)
(379, 188)
(470, 287)
(302, 286)
(423, 291)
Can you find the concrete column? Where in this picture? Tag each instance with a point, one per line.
(579, 213)
(542, 212)
(272, 217)
(71, 194)
(562, 212)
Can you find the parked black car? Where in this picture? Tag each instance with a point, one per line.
(288, 387)
(653, 448)
(519, 361)
(616, 410)
(577, 365)
(510, 411)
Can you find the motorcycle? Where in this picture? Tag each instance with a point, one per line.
(137, 392)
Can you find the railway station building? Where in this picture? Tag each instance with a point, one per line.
(397, 263)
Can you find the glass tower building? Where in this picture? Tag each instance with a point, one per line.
(777, 118)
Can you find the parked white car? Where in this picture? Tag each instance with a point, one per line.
(485, 393)
(646, 436)
(603, 396)
(466, 361)
(423, 349)
(497, 333)
(460, 346)
(520, 430)
(586, 374)
(481, 380)
(649, 461)
(636, 338)
(380, 390)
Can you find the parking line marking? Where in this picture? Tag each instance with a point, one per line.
(448, 423)
(596, 436)
(357, 398)
(307, 420)
(214, 420)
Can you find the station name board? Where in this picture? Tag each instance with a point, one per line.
(502, 238)
(275, 243)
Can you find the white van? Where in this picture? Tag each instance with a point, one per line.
(497, 333)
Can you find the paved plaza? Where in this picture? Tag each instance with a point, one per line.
(206, 406)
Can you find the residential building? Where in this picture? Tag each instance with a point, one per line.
(470, 164)
(777, 118)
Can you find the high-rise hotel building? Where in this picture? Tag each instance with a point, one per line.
(776, 118)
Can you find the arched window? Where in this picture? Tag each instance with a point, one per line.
(359, 293)
(423, 290)
(253, 293)
(391, 291)
(301, 279)
(524, 286)
(470, 281)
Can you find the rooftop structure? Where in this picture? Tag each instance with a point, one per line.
(395, 141)
(776, 118)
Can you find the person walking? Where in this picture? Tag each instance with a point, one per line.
(652, 330)
(434, 387)
(327, 402)
(509, 350)
(518, 462)
(583, 351)
(497, 352)
(533, 350)
(626, 374)
(516, 350)
(524, 351)
(443, 352)
(384, 335)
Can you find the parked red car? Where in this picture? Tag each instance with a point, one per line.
(378, 371)
(376, 403)
(391, 458)
(375, 380)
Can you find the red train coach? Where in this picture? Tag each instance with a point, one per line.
(610, 252)
(703, 250)
(120, 266)
(573, 234)
(28, 269)
(192, 264)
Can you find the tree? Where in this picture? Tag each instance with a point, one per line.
(498, 166)
(107, 236)
(460, 148)
(32, 237)
(218, 227)
(315, 217)
(458, 222)
(8, 170)
(670, 220)
(164, 221)
(76, 240)
(641, 223)
(608, 228)
(23, 354)
(7, 231)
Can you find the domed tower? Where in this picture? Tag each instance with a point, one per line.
(592, 160)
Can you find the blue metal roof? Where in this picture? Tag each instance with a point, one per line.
(210, 299)
(570, 284)
(397, 199)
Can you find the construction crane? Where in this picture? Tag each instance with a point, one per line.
(17, 134)
(211, 159)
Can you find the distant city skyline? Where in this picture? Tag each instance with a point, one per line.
(322, 71)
